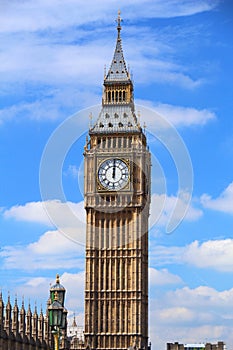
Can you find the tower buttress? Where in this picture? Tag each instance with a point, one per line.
(22, 318)
(47, 333)
(1, 312)
(29, 322)
(35, 324)
(41, 326)
(15, 320)
(8, 319)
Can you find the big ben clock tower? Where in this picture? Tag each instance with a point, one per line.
(117, 198)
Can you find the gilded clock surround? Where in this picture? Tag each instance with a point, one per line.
(101, 187)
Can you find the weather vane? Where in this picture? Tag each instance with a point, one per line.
(119, 20)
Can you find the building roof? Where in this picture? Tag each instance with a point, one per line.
(118, 119)
(117, 114)
(118, 70)
(57, 286)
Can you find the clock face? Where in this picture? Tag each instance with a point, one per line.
(113, 174)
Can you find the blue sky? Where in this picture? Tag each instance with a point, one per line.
(52, 66)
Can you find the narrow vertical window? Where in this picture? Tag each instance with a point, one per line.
(120, 96)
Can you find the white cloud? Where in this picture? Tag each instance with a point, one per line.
(223, 203)
(178, 116)
(201, 297)
(54, 212)
(60, 61)
(162, 277)
(74, 284)
(54, 243)
(163, 255)
(32, 212)
(53, 250)
(215, 254)
(176, 315)
(212, 254)
(37, 288)
(70, 218)
(32, 16)
(151, 70)
(52, 107)
(52, 63)
(162, 209)
(46, 44)
(59, 248)
(191, 315)
(176, 8)
(184, 116)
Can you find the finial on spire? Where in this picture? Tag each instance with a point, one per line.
(128, 71)
(139, 115)
(144, 127)
(57, 278)
(90, 120)
(119, 20)
(35, 306)
(105, 71)
(29, 308)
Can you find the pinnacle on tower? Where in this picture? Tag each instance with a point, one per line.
(118, 69)
(117, 114)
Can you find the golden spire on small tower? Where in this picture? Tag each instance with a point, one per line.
(57, 278)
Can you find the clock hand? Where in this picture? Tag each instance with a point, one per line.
(114, 170)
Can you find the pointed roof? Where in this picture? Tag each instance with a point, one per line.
(117, 114)
(118, 70)
(35, 311)
(114, 119)
(41, 313)
(8, 305)
(22, 310)
(58, 286)
(29, 312)
(1, 301)
(74, 324)
(16, 304)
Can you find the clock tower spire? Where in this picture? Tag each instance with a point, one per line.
(117, 199)
(117, 114)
